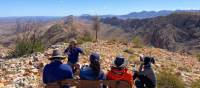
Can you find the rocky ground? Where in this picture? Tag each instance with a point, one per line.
(26, 72)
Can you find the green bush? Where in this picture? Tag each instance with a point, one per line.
(84, 39)
(169, 80)
(137, 42)
(196, 84)
(26, 47)
(198, 57)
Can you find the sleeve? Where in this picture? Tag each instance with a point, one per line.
(44, 76)
(80, 50)
(103, 76)
(107, 76)
(66, 50)
(69, 73)
(81, 75)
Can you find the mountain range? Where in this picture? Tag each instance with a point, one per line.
(172, 30)
(141, 15)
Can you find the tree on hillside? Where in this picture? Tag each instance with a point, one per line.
(96, 26)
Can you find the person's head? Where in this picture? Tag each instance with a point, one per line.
(148, 60)
(56, 55)
(73, 43)
(120, 62)
(94, 63)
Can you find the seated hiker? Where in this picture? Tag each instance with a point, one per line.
(119, 71)
(55, 70)
(93, 71)
(145, 77)
(73, 55)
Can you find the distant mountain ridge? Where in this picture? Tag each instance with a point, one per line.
(140, 15)
(179, 31)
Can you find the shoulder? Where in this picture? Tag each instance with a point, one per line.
(85, 71)
(67, 49)
(79, 48)
(66, 68)
(47, 66)
(85, 68)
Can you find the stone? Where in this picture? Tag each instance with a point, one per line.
(2, 55)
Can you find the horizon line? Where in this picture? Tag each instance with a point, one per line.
(99, 15)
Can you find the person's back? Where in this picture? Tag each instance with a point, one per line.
(86, 73)
(120, 74)
(146, 76)
(93, 71)
(119, 71)
(56, 71)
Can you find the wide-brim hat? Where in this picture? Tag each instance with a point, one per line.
(57, 54)
(120, 62)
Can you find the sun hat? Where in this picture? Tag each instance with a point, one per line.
(120, 61)
(57, 54)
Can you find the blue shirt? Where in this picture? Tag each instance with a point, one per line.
(56, 71)
(73, 54)
(86, 73)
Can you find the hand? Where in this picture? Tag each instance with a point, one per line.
(141, 57)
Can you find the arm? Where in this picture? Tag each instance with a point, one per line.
(44, 76)
(69, 73)
(81, 51)
(66, 51)
(102, 77)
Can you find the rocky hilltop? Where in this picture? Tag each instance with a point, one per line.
(26, 72)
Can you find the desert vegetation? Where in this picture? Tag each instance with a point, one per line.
(167, 79)
(28, 39)
(195, 84)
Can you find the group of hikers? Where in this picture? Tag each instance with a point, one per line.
(55, 71)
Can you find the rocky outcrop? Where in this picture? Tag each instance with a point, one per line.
(26, 72)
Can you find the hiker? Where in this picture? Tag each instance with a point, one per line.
(93, 71)
(119, 71)
(56, 70)
(73, 55)
(145, 77)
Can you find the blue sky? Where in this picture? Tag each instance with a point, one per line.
(78, 7)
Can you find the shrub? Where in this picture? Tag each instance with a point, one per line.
(169, 80)
(85, 38)
(195, 84)
(198, 57)
(137, 42)
(26, 47)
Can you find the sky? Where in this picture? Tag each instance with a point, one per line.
(94, 7)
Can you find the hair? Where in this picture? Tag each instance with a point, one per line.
(55, 59)
(95, 65)
(149, 60)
